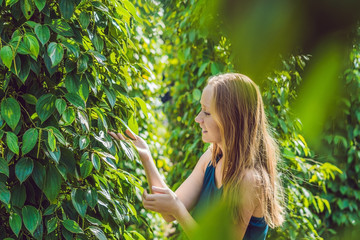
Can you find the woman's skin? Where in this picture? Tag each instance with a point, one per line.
(178, 205)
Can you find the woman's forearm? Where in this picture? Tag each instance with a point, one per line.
(152, 174)
(154, 179)
(186, 221)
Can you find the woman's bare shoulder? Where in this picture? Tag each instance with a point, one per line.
(205, 159)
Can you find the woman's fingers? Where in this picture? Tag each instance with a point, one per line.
(114, 135)
(131, 134)
(117, 136)
(160, 189)
(148, 197)
(121, 136)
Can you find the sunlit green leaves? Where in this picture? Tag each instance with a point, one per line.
(15, 223)
(29, 140)
(12, 142)
(45, 106)
(10, 112)
(6, 55)
(24, 168)
(61, 27)
(72, 226)
(31, 218)
(55, 52)
(43, 33)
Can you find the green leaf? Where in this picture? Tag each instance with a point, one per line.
(68, 116)
(27, 8)
(48, 65)
(31, 218)
(61, 27)
(4, 194)
(55, 52)
(51, 225)
(57, 134)
(33, 44)
(4, 168)
(75, 100)
(40, 4)
(30, 99)
(98, 42)
(39, 174)
(10, 112)
(56, 154)
(10, 3)
(111, 96)
(67, 8)
(52, 184)
(29, 140)
(6, 56)
(24, 168)
(43, 33)
(85, 168)
(18, 195)
(25, 69)
(72, 226)
(12, 142)
(83, 142)
(91, 197)
(84, 19)
(82, 63)
(99, 234)
(72, 47)
(214, 68)
(196, 95)
(45, 106)
(50, 209)
(60, 105)
(51, 141)
(78, 199)
(95, 159)
(15, 223)
(202, 68)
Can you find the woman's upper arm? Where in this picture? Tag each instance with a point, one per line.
(189, 190)
(248, 201)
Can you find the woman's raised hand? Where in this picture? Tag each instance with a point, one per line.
(140, 144)
(163, 201)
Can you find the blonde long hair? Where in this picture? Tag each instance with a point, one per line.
(247, 144)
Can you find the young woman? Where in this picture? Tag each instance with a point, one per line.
(239, 167)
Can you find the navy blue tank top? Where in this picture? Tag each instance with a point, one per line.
(257, 228)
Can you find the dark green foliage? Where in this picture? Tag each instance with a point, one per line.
(65, 72)
(341, 146)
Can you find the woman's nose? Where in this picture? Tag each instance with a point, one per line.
(198, 118)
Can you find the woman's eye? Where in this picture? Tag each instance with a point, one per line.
(206, 113)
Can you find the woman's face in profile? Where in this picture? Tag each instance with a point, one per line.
(210, 129)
